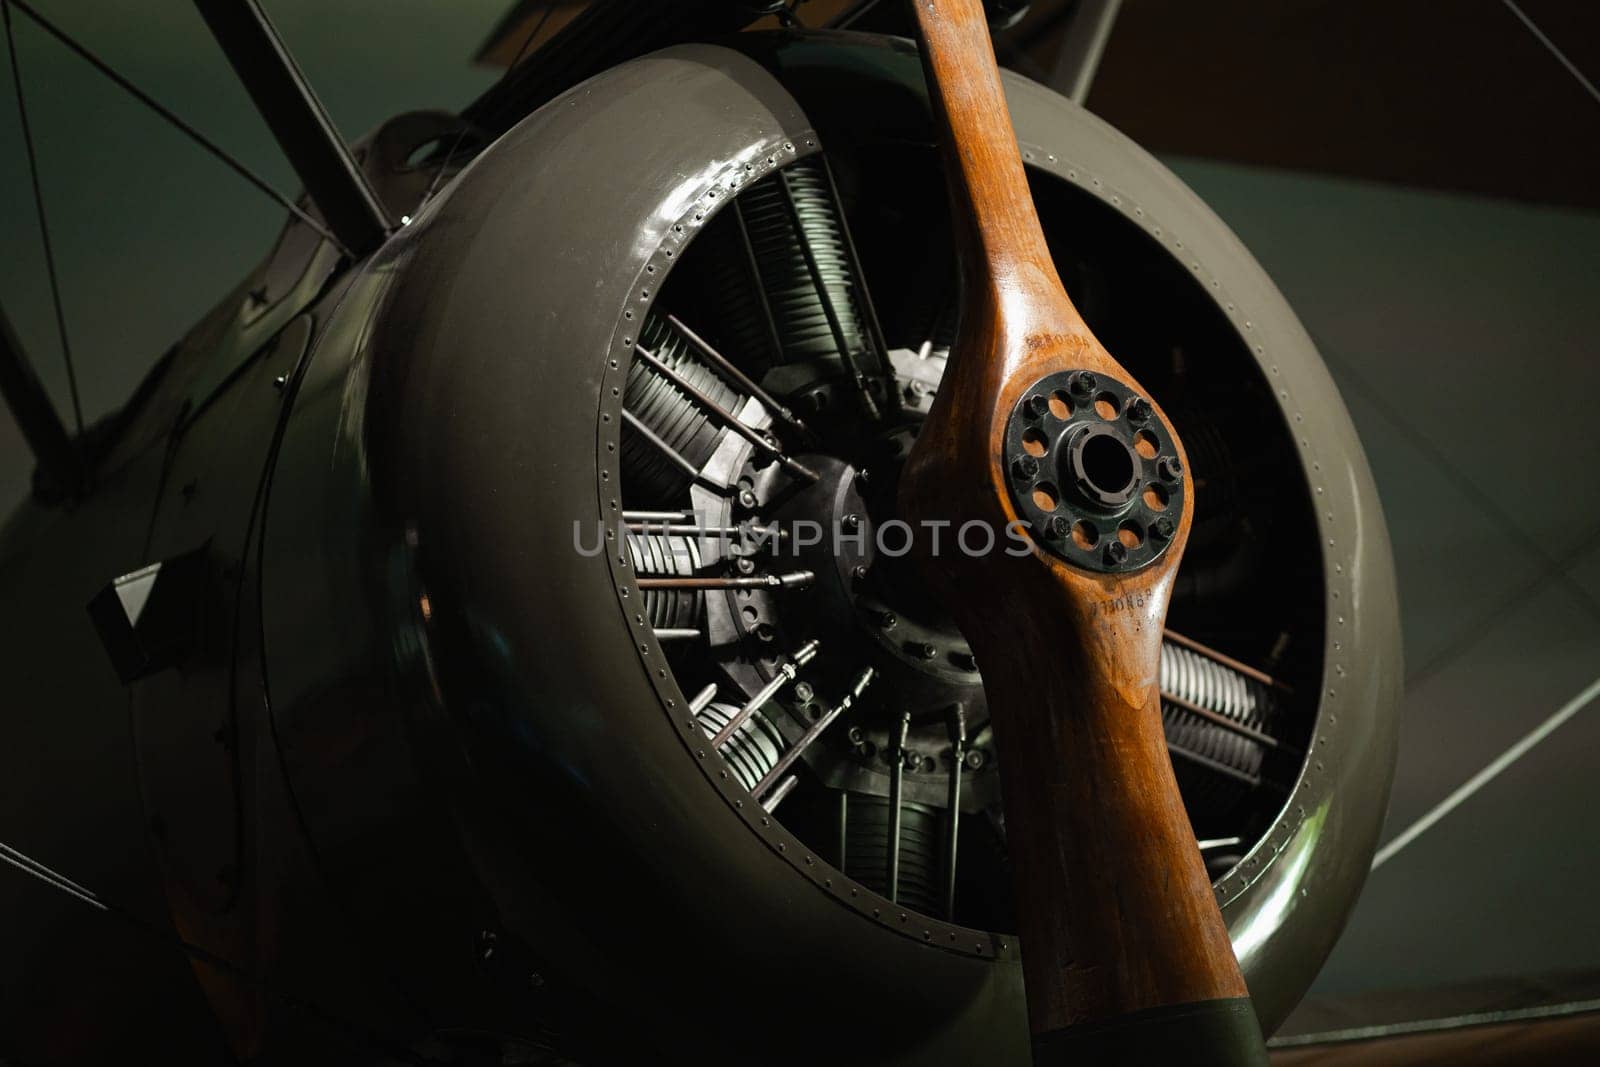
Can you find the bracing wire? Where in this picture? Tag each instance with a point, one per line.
(183, 127)
(44, 224)
(1550, 46)
(355, 1032)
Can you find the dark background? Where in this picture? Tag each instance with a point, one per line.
(1422, 179)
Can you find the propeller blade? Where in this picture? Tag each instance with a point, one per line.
(1124, 951)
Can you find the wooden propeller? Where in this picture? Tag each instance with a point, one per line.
(1124, 951)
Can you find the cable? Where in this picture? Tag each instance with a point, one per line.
(144, 98)
(1431, 1026)
(1488, 774)
(1572, 68)
(367, 1039)
(44, 224)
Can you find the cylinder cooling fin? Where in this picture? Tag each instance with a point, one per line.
(785, 282)
(753, 749)
(668, 556)
(802, 269)
(674, 425)
(1217, 765)
(920, 863)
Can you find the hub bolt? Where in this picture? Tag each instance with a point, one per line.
(1025, 467)
(1082, 383)
(887, 620)
(1170, 469)
(1116, 552)
(1163, 529)
(927, 651)
(1139, 410)
(1037, 406)
(1058, 527)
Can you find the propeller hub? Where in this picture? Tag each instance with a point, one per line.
(1090, 466)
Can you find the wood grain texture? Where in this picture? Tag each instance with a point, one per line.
(1116, 911)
